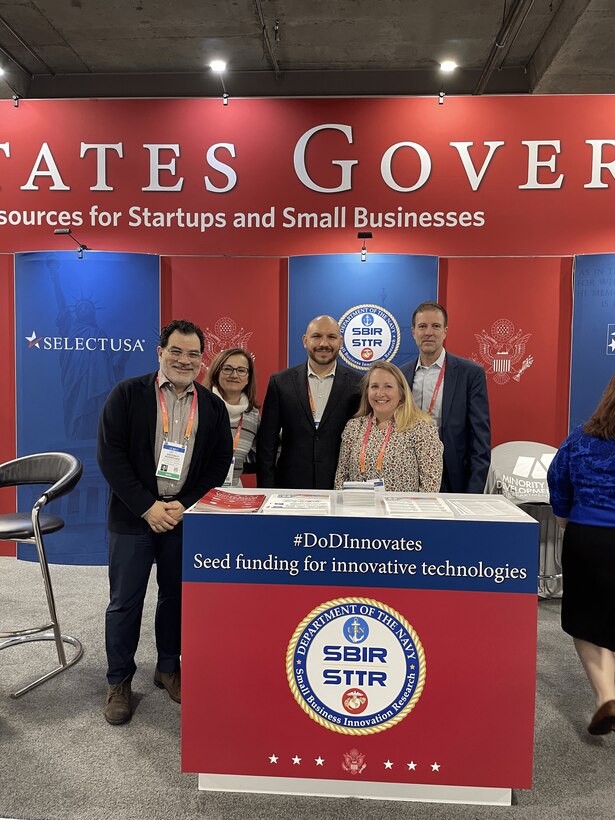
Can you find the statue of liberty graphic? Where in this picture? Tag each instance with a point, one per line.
(87, 375)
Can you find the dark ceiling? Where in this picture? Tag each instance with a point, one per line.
(162, 48)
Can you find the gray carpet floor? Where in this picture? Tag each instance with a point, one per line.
(61, 761)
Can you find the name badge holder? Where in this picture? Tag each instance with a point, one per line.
(173, 454)
(228, 481)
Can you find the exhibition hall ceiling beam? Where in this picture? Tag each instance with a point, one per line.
(576, 51)
(110, 48)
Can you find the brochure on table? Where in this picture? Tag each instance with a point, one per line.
(373, 502)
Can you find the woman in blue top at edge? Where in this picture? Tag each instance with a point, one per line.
(582, 486)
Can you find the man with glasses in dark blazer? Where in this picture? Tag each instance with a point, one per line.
(163, 441)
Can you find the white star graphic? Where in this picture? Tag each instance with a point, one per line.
(319, 760)
(435, 767)
(34, 342)
(411, 765)
(388, 764)
(273, 758)
(296, 760)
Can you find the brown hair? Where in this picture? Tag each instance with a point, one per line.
(212, 377)
(407, 414)
(602, 422)
(430, 306)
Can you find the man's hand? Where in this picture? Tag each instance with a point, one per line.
(160, 517)
(175, 509)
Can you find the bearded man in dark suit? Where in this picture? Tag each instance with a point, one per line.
(163, 441)
(304, 413)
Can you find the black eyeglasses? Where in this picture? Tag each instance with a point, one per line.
(176, 353)
(228, 370)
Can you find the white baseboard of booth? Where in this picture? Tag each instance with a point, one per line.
(306, 787)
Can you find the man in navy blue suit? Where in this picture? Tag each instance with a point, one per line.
(454, 392)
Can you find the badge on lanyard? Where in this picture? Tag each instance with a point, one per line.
(312, 405)
(228, 481)
(171, 461)
(172, 454)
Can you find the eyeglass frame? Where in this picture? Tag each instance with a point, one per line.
(177, 353)
(228, 370)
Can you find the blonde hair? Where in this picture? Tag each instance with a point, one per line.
(407, 414)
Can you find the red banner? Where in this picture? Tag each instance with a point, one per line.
(476, 175)
(513, 316)
(237, 303)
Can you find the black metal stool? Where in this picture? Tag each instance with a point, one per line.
(62, 471)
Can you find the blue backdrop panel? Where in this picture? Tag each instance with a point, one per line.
(593, 333)
(81, 325)
(335, 284)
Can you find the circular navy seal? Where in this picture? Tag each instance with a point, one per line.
(369, 333)
(355, 666)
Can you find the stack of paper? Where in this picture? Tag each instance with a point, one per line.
(361, 493)
(298, 504)
(408, 506)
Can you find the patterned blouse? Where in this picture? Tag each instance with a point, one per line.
(412, 459)
(582, 480)
(246, 446)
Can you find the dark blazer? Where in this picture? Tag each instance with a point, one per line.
(125, 451)
(308, 456)
(466, 429)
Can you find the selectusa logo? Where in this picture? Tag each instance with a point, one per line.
(108, 343)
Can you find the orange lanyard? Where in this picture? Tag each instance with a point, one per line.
(382, 449)
(238, 433)
(436, 389)
(311, 398)
(165, 414)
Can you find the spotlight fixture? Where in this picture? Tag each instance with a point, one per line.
(219, 67)
(364, 235)
(441, 97)
(16, 99)
(68, 232)
(448, 66)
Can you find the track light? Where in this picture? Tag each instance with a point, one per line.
(364, 235)
(219, 67)
(68, 232)
(441, 97)
(448, 66)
